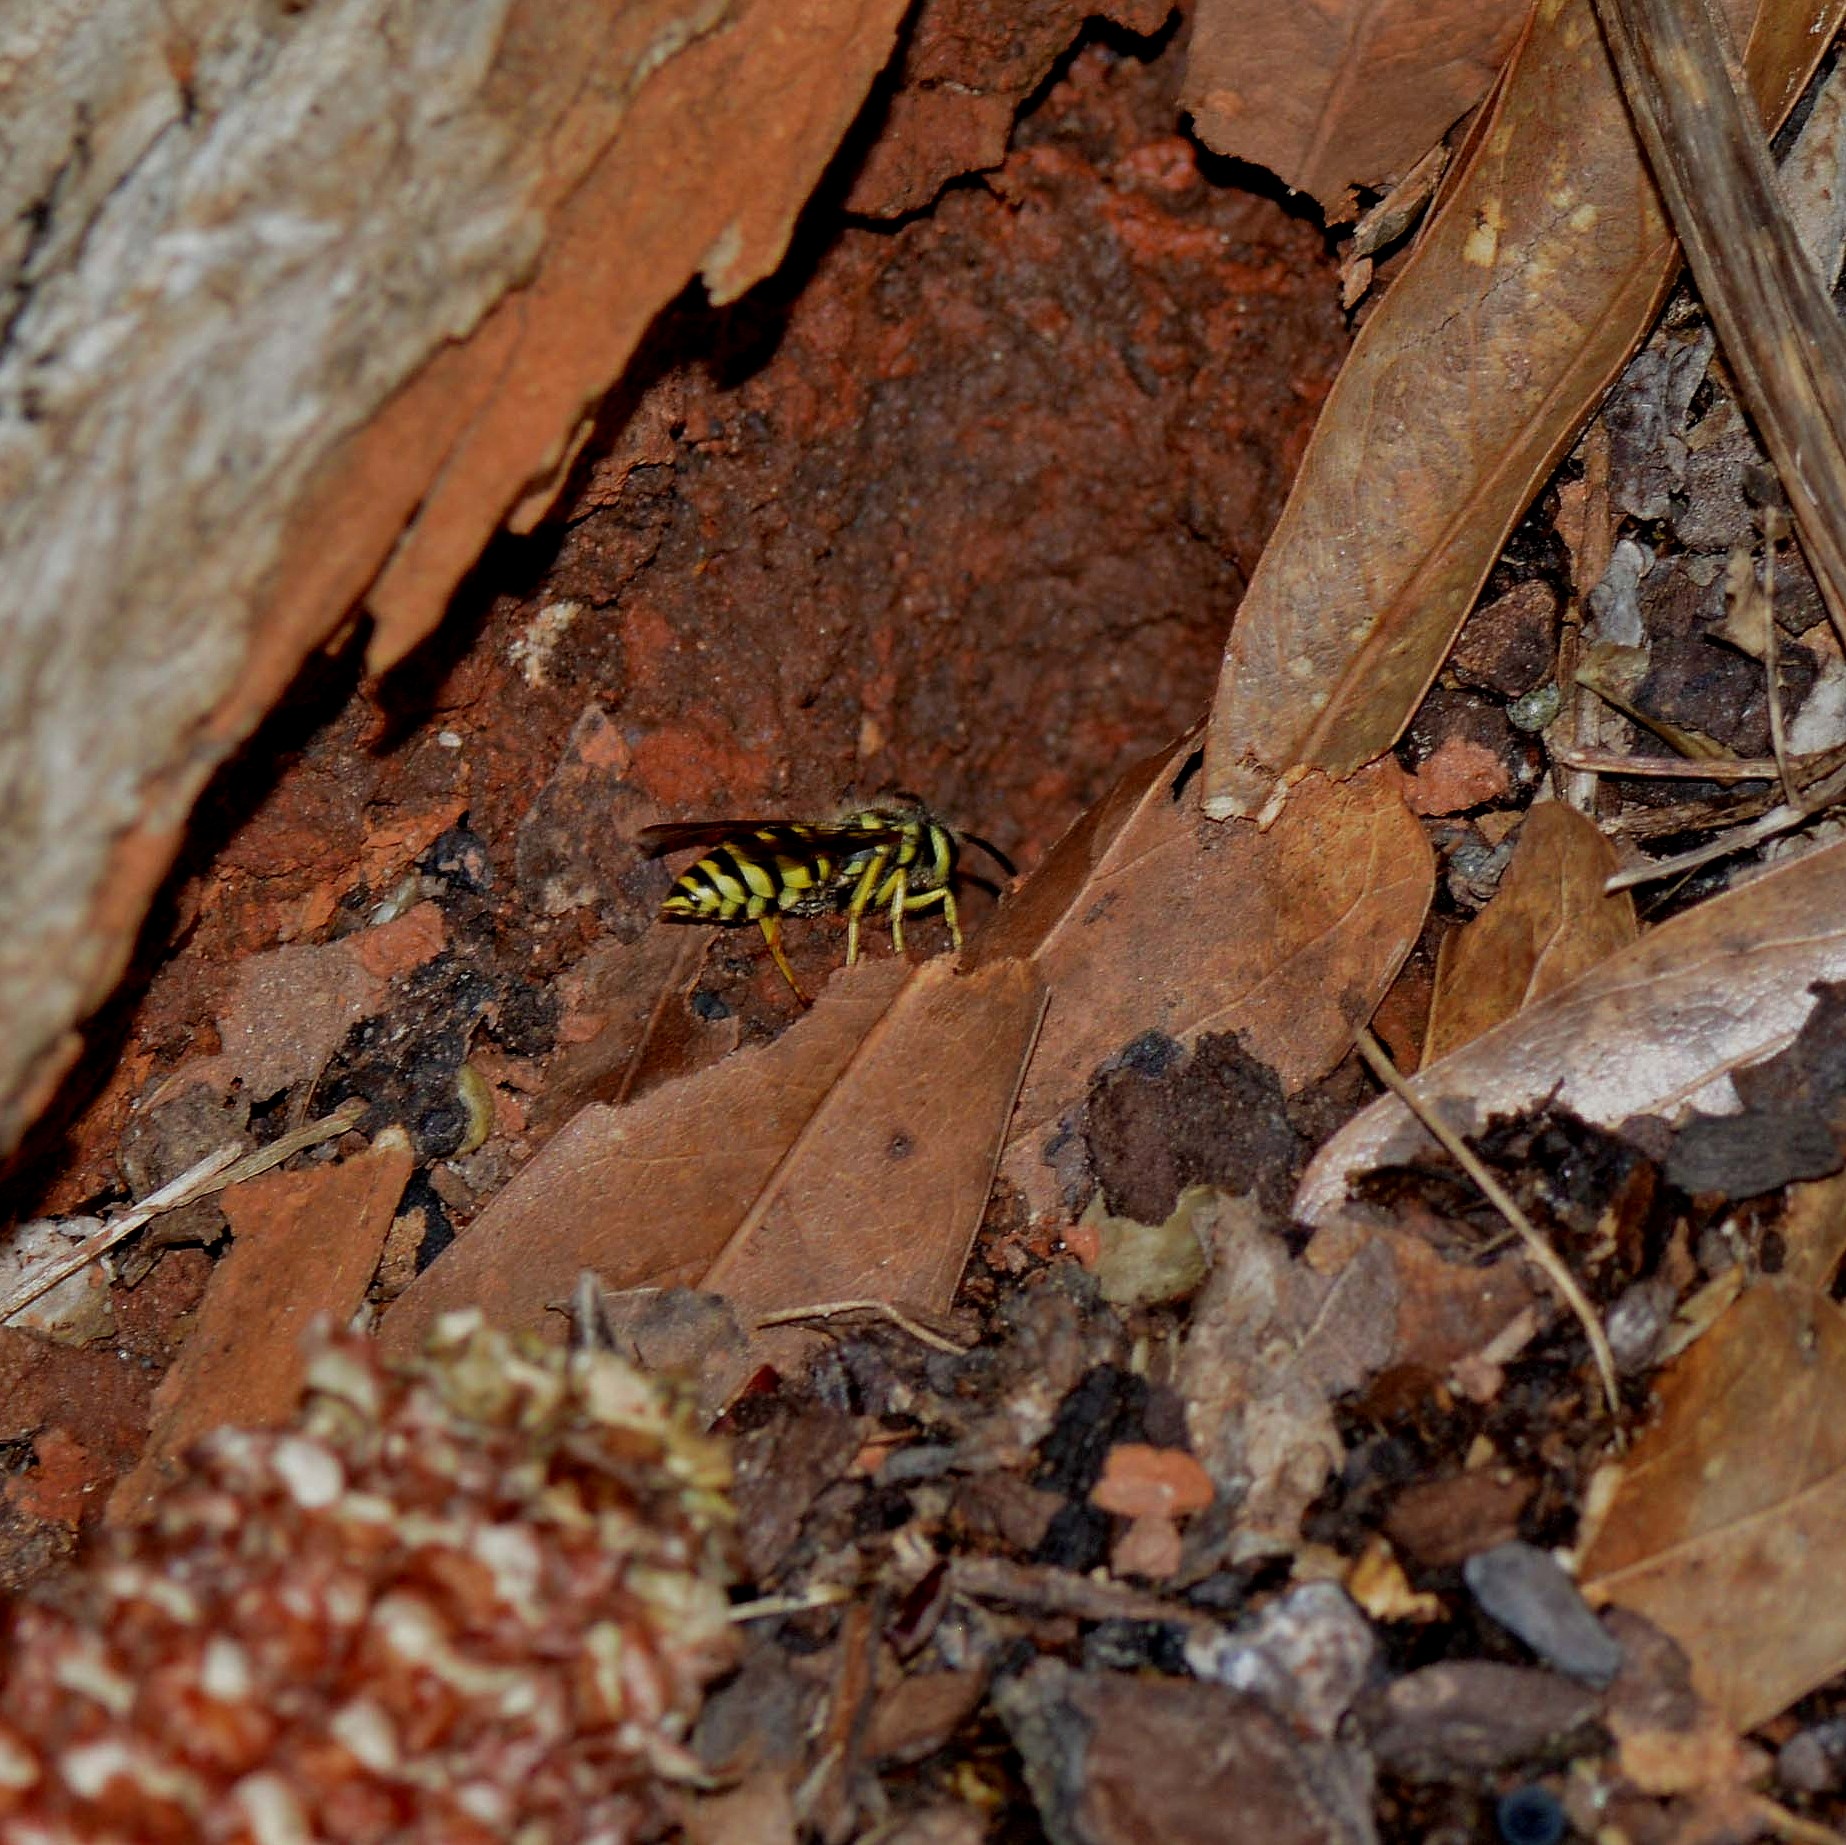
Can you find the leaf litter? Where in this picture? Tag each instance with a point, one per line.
(1288, 1489)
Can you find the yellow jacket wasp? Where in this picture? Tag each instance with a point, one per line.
(898, 859)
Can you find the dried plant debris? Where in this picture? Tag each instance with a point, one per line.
(474, 1599)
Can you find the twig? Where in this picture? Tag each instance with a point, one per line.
(1793, 1826)
(1779, 819)
(1772, 668)
(1541, 1251)
(1668, 768)
(212, 1174)
(1781, 337)
(767, 1607)
(882, 1309)
(1056, 1591)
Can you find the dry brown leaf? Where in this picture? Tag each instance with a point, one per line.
(1548, 923)
(1729, 1521)
(1525, 294)
(647, 1194)
(1144, 918)
(627, 1026)
(305, 1243)
(849, 1159)
(1335, 96)
(883, 1200)
(1655, 1027)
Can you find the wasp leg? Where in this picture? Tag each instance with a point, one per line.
(900, 902)
(862, 895)
(771, 926)
(946, 897)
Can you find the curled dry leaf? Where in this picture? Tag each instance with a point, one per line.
(1548, 922)
(304, 1244)
(1333, 97)
(1527, 291)
(1657, 1026)
(849, 1159)
(1144, 918)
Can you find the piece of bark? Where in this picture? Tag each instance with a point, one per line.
(306, 1244)
(1470, 1715)
(484, 206)
(1113, 1759)
(1460, 394)
(1775, 318)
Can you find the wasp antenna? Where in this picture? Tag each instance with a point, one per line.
(994, 853)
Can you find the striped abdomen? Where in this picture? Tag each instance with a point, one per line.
(784, 869)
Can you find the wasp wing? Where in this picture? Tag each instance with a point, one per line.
(797, 837)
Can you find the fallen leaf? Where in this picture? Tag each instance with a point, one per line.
(1548, 923)
(1655, 1028)
(1543, 266)
(881, 1199)
(1145, 918)
(627, 1026)
(1331, 97)
(647, 1194)
(305, 1243)
(1728, 1521)
(850, 1159)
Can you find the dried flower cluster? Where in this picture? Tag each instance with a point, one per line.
(475, 1601)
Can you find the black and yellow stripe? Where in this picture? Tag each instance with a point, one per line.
(896, 860)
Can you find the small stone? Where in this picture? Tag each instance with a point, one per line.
(1637, 1323)
(1461, 774)
(1526, 1590)
(1814, 1761)
(1444, 1522)
(1471, 1715)
(1537, 709)
(1143, 1482)
(1149, 1548)
(1307, 1655)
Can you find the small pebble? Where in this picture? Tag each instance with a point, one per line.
(1536, 709)
(1526, 1590)
(1814, 1762)
(1638, 1322)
